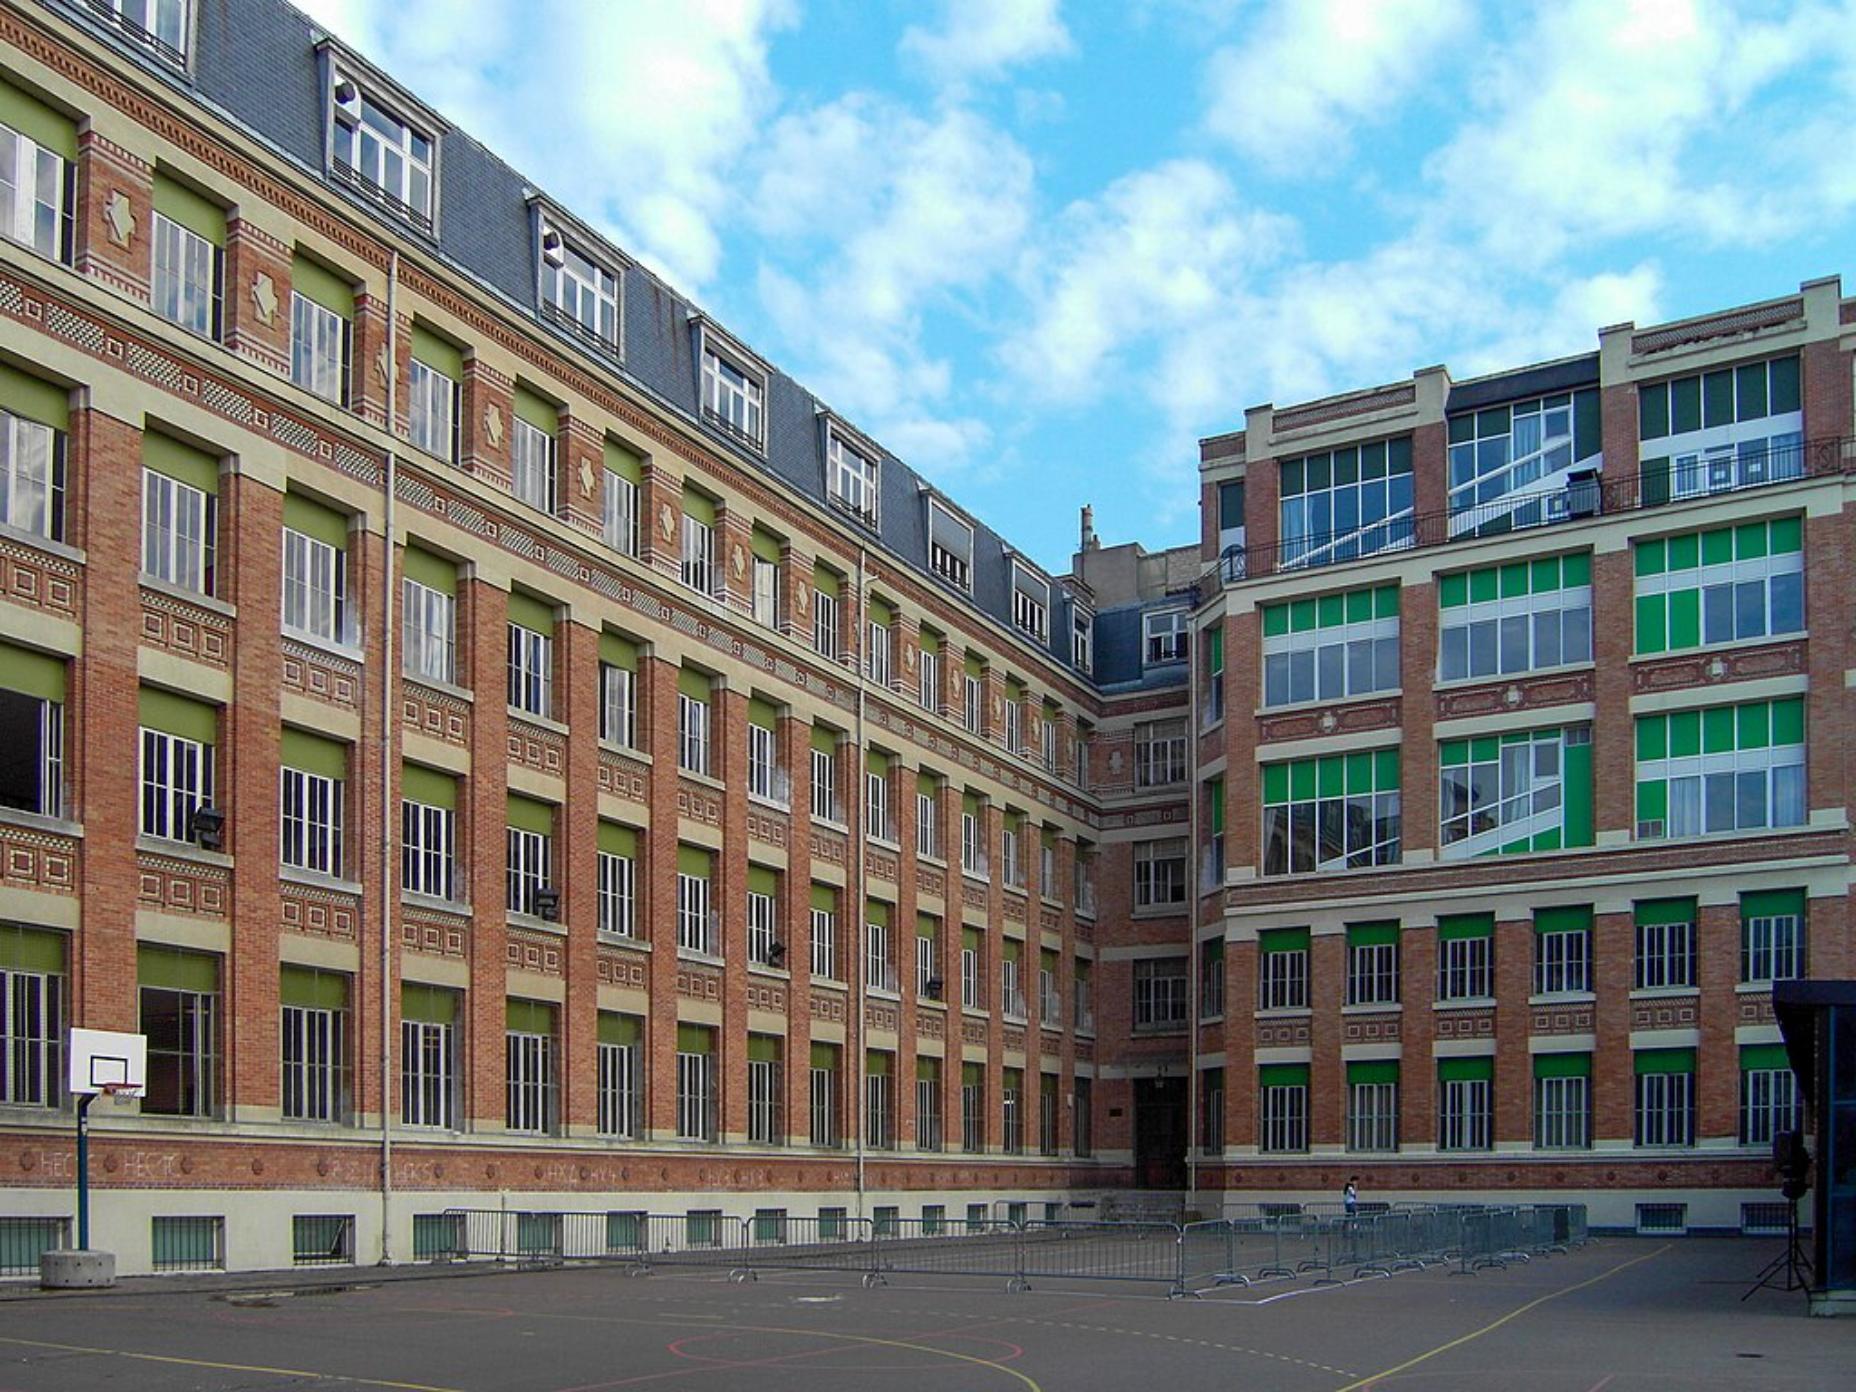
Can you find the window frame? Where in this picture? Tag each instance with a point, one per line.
(853, 476)
(1161, 647)
(589, 288)
(1030, 613)
(715, 391)
(197, 294)
(386, 103)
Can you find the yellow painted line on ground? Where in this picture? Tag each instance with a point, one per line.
(227, 1367)
(1494, 1325)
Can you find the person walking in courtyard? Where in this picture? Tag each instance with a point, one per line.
(1350, 1196)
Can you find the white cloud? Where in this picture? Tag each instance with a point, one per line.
(982, 38)
(1315, 69)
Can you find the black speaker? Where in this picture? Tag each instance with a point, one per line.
(1789, 1157)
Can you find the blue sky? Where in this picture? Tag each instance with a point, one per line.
(1039, 248)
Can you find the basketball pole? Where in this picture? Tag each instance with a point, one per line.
(83, 1170)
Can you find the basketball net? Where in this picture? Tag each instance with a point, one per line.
(122, 1094)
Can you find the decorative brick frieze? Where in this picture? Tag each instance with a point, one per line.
(321, 675)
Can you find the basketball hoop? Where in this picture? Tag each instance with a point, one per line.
(122, 1094)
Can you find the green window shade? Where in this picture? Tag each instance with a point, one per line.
(432, 1005)
(764, 714)
(824, 898)
(825, 1056)
(881, 611)
(1772, 903)
(700, 506)
(970, 939)
(694, 860)
(1566, 919)
(1361, 1071)
(1282, 1075)
(698, 686)
(1047, 960)
(437, 354)
(528, 1017)
(826, 582)
(544, 415)
(314, 754)
(1481, 1067)
(1371, 934)
(618, 840)
(877, 762)
(876, 913)
(429, 786)
(1215, 792)
(765, 545)
(1216, 647)
(1663, 1061)
(31, 949)
(1764, 1056)
(618, 652)
(176, 715)
(624, 462)
(34, 399)
(434, 572)
(1562, 1065)
(1654, 911)
(192, 211)
(931, 641)
(926, 926)
(976, 667)
(970, 804)
(927, 1069)
(525, 814)
(879, 1062)
(1283, 940)
(619, 1029)
(762, 880)
(166, 455)
(536, 615)
(32, 673)
(1451, 926)
(175, 969)
(972, 1074)
(319, 285)
(764, 1048)
(32, 118)
(320, 990)
(825, 739)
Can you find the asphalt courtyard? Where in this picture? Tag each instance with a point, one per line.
(1615, 1316)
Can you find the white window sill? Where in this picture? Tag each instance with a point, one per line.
(825, 823)
(629, 751)
(1664, 992)
(1738, 833)
(1335, 703)
(706, 780)
(37, 821)
(974, 1012)
(1756, 988)
(315, 879)
(701, 959)
(1217, 1019)
(1732, 645)
(1563, 998)
(62, 550)
(1496, 678)
(923, 1002)
(187, 596)
(1464, 1003)
(412, 899)
(1159, 910)
(768, 969)
(181, 850)
(539, 721)
(883, 993)
(534, 923)
(772, 804)
(1372, 1008)
(443, 688)
(888, 843)
(1284, 1012)
(830, 983)
(349, 652)
(623, 940)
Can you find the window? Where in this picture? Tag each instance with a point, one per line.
(825, 626)
(531, 668)
(531, 465)
(319, 346)
(1282, 970)
(1562, 950)
(927, 1113)
(1372, 963)
(430, 631)
(1563, 1101)
(310, 807)
(973, 1116)
(1015, 720)
(1082, 639)
(618, 881)
(950, 546)
(1665, 1097)
(36, 184)
(698, 556)
(822, 1097)
(1509, 464)
(1665, 954)
(1160, 993)
(764, 1103)
(1011, 981)
(529, 1067)
(1082, 1117)
(973, 712)
(879, 1100)
(1372, 1104)
(1772, 940)
(1283, 1107)
(879, 816)
(1724, 585)
(731, 398)
(1336, 812)
(851, 478)
(765, 777)
(428, 1056)
(928, 820)
(1769, 1099)
(692, 733)
(1514, 793)
(824, 933)
(1465, 957)
(825, 804)
(1047, 1120)
(618, 705)
(1012, 1111)
(316, 584)
(315, 1045)
(32, 987)
(1159, 873)
(1331, 648)
(1347, 503)
(32, 701)
(1465, 1118)
(577, 291)
(767, 592)
(972, 977)
(186, 1243)
(879, 950)
(928, 688)
(1011, 855)
(1030, 602)
(530, 861)
(695, 921)
(1519, 617)
(432, 408)
(176, 778)
(179, 526)
(428, 833)
(1735, 427)
(32, 469)
(928, 957)
(763, 916)
(185, 289)
(619, 511)
(179, 998)
(620, 1078)
(1159, 753)
(378, 153)
(1726, 768)
(1164, 636)
(880, 647)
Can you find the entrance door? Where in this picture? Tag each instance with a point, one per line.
(1160, 1133)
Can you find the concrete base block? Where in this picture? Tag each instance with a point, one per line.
(69, 1268)
(1833, 1302)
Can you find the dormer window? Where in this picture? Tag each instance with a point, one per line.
(851, 477)
(1164, 636)
(732, 396)
(577, 292)
(160, 25)
(1030, 602)
(950, 546)
(375, 151)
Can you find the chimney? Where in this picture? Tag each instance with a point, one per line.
(1090, 542)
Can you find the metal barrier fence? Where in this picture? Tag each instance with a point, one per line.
(1263, 1243)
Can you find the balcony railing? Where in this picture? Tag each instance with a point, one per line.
(1529, 508)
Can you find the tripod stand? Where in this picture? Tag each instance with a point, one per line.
(1791, 1269)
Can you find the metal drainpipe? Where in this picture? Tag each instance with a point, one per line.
(860, 968)
(1193, 985)
(387, 880)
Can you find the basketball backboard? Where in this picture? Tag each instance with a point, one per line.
(100, 1058)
